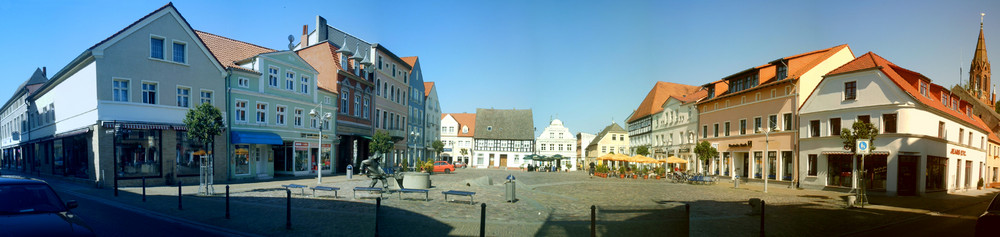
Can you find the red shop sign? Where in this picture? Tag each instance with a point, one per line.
(958, 152)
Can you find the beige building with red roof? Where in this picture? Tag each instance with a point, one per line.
(457, 131)
(675, 127)
(744, 109)
(640, 124)
(929, 140)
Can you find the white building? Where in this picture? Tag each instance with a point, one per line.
(503, 138)
(556, 139)
(674, 128)
(928, 140)
(457, 130)
(14, 122)
(640, 129)
(582, 141)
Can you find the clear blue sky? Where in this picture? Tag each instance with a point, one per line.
(585, 61)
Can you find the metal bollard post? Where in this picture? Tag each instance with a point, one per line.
(180, 205)
(593, 220)
(482, 221)
(143, 188)
(116, 186)
(288, 210)
(762, 217)
(687, 220)
(227, 201)
(378, 205)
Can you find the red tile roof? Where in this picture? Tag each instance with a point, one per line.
(325, 59)
(798, 65)
(909, 82)
(659, 94)
(464, 119)
(228, 51)
(427, 88)
(993, 137)
(412, 61)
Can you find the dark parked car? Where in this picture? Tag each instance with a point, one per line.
(31, 208)
(987, 223)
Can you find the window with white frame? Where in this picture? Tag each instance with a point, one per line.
(149, 92)
(180, 52)
(241, 111)
(272, 76)
(364, 112)
(304, 85)
(261, 112)
(357, 105)
(279, 114)
(243, 82)
(345, 95)
(120, 90)
(298, 117)
(183, 96)
(377, 111)
(206, 96)
(156, 47)
(289, 80)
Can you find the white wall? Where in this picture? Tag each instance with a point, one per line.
(75, 101)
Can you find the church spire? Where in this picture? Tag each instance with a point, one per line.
(979, 71)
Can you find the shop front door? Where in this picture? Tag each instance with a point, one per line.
(907, 178)
(503, 160)
(746, 165)
(263, 153)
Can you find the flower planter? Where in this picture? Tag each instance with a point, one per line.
(417, 180)
(621, 176)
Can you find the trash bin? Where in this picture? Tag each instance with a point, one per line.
(350, 171)
(510, 187)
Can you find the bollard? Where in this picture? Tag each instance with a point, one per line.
(288, 210)
(687, 220)
(143, 188)
(180, 205)
(227, 201)
(482, 221)
(378, 205)
(116, 186)
(593, 221)
(762, 205)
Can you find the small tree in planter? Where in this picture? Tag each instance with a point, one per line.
(980, 184)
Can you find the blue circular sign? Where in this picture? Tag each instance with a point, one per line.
(863, 145)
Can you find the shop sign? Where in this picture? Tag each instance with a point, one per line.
(301, 146)
(313, 136)
(741, 145)
(684, 150)
(957, 152)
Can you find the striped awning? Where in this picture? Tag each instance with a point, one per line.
(847, 153)
(142, 126)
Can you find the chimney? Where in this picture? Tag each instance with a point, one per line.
(305, 36)
(321, 28)
(44, 73)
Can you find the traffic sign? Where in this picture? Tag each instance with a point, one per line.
(863, 147)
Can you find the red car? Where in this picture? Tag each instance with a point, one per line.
(443, 166)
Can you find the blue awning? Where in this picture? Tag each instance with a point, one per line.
(256, 138)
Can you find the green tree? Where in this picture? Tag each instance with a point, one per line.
(642, 150)
(996, 107)
(705, 151)
(381, 143)
(860, 131)
(464, 152)
(438, 147)
(203, 124)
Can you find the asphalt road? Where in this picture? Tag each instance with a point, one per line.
(107, 220)
(958, 222)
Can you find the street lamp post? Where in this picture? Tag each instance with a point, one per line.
(319, 150)
(767, 158)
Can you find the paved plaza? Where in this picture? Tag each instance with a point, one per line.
(549, 204)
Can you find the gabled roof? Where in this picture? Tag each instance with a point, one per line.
(427, 88)
(464, 119)
(28, 86)
(324, 58)
(797, 65)
(412, 61)
(508, 124)
(613, 128)
(228, 51)
(391, 55)
(909, 82)
(653, 103)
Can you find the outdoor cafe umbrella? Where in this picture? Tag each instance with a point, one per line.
(675, 160)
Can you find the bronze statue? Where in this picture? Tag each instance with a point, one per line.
(373, 169)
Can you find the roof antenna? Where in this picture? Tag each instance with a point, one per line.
(290, 40)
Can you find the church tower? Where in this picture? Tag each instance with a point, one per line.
(979, 71)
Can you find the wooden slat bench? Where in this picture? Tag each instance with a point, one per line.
(460, 193)
(300, 187)
(369, 189)
(324, 188)
(411, 190)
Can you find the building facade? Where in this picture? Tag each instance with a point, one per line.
(582, 141)
(675, 128)
(457, 132)
(343, 63)
(432, 111)
(14, 126)
(416, 149)
(753, 111)
(392, 76)
(557, 139)
(929, 140)
(640, 123)
(502, 138)
(613, 139)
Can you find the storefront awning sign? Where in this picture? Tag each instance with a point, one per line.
(241, 137)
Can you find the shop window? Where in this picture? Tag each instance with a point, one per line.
(139, 153)
(189, 154)
(935, 176)
(241, 160)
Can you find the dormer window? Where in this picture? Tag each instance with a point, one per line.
(782, 72)
(711, 92)
(954, 104)
(944, 99)
(924, 89)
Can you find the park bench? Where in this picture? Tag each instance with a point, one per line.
(324, 188)
(411, 190)
(300, 187)
(460, 193)
(369, 189)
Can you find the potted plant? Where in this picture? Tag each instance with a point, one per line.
(621, 171)
(979, 186)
